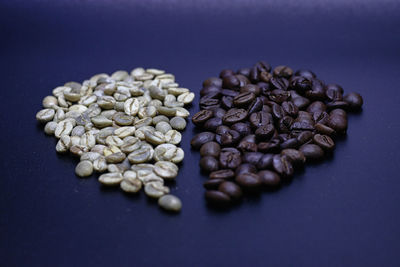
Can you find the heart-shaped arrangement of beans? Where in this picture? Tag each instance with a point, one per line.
(125, 125)
(261, 124)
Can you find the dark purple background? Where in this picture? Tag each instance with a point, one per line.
(344, 212)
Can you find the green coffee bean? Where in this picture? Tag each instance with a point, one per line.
(84, 168)
(170, 203)
(178, 123)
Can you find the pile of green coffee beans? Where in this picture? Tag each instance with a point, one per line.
(126, 126)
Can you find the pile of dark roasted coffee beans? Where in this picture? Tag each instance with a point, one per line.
(261, 124)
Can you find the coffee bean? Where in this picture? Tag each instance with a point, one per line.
(227, 102)
(295, 156)
(231, 189)
(219, 112)
(210, 149)
(245, 168)
(265, 162)
(269, 147)
(269, 178)
(324, 142)
(201, 117)
(212, 184)
(243, 99)
(230, 138)
(306, 73)
(230, 82)
(312, 151)
(170, 203)
(226, 73)
(217, 198)
(354, 101)
(222, 174)
(242, 128)
(245, 146)
(213, 81)
(252, 157)
(338, 123)
(222, 129)
(260, 118)
(202, 138)
(249, 180)
(265, 132)
(212, 124)
(323, 129)
(282, 166)
(208, 164)
(229, 158)
(234, 115)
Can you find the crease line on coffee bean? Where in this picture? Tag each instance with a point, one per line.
(260, 124)
(125, 126)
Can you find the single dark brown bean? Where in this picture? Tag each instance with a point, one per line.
(210, 149)
(262, 66)
(227, 102)
(217, 198)
(306, 73)
(251, 88)
(301, 102)
(269, 178)
(201, 117)
(245, 146)
(255, 106)
(284, 124)
(279, 95)
(265, 162)
(354, 100)
(283, 71)
(300, 84)
(234, 115)
(219, 112)
(229, 158)
(249, 180)
(273, 146)
(222, 174)
(289, 108)
(202, 138)
(231, 82)
(208, 164)
(312, 152)
(290, 143)
(211, 89)
(226, 73)
(316, 106)
(228, 92)
(279, 83)
(323, 129)
(337, 104)
(222, 129)
(282, 166)
(265, 132)
(250, 138)
(243, 80)
(339, 112)
(231, 137)
(324, 141)
(321, 117)
(231, 189)
(304, 137)
(212, 184)
(303, 125)
(213, 81)
(259, 119)
(242, 128)
(334, 93)
(243, 99)
(245, 168)
(244, 71)
(212, 124)
(317, 91)
(338, 123)
(252, 157)
(277, 111)
(209, 103)
(295, 156)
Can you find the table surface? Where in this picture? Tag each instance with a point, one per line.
(343, 212)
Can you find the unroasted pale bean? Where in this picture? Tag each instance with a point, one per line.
(113, 140)
(130, 145)
(84, 168)
(123, 132)
(177, 91)
(131, 106)
(111, 150)
(88, 140)
(154, 138)
(91, 156)
(45, 115)
(63, 144)
(59, 116)
(155, 189)
(63, 128)
(173, 137)
(170, 203)
(168, 152)
(100, 121)
(50, 102)
(160, 118)
(166, 111)
(115, 157)
(111, 179)
(178, 123)
(131, 185)
(182, 112)
(163, 127)
(141, 155)
(106, 102)
(100, 164)
(75, 140)
(186, 98)
(50, 127)
(78, 150)
(166, 169)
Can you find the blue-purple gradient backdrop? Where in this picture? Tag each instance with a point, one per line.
(343, 212)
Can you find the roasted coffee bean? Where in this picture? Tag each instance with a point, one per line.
(260, 118)
(245, 168)
(217, 198)
(265, 132)
(234, 115)
(243, 80)
(316, 106)
(323, 129)
(306, 73)
(243, 99)
(334, 93)
(212, 184)
(219, 112)
(301, 102)
(201, 117)
(277, 111)
(210, 149)
(255, 106)
(252, 157)
(282, 166)
(231, 189)
(290, 143)
(213, 81)
(285, 124)
(228, 92)
(208, 164)
(229, 138)
(208, 103)
(283, 71)
(337, 104)
(227, 102)
(301, 84)
(303, 125)
(249, 180)
(324, 142)
(251, 88)
(317, 91)
(231, 82)
(242, 128)
(312, 151)
(295, 156)
(279, 83)
(338, 123)
(263, 66)
(226, 73)
(209, 90)
(222, 174)
(212, 124)
(202, 138)
(246, 146)
(250, 138)
(265, 162)
(273, 146)
(278, 96)
(269, 178)
(354, 101)
(229, 158)
(304, 137)
(222, 129)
